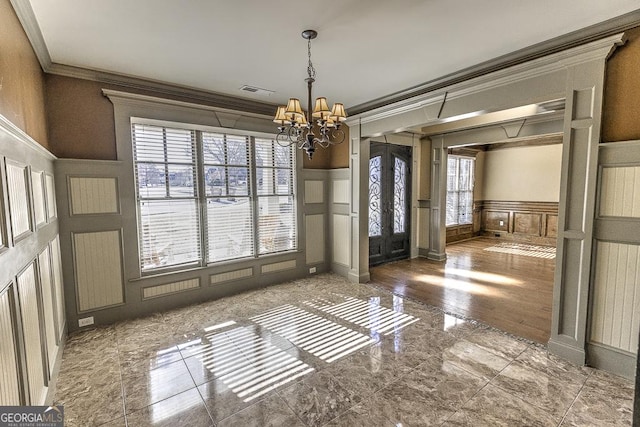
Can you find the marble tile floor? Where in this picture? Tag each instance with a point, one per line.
(323, 351)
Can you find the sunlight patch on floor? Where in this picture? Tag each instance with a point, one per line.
(547, 252)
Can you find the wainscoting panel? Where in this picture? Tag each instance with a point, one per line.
(170, 288)
(18, 200)
(527, 223)
(98, 269)
(314, 232)
(229, 276)
(279, 266)
(51, 196)
(9, 380)
(616, 290)
(28, 296)
(93, 195)
(56, 268)
(620, 192)
(48, 305)
(341, 239)
(313, 191)
(39, 208)
(535, 222)
(341, 191)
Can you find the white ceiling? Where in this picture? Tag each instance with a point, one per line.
(365, 49)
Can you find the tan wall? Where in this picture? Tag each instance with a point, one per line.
(334, 157)
(21, 78)
(81, 124)
(621, 121)
(527, 174)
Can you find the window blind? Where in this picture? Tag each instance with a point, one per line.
(229, 208)
(234, 193)
(276, 197)
(165, 172)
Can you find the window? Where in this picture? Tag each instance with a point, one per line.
(460, 190)
(205, 197)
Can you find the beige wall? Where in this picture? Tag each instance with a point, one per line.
(527, 174)
(21, 78)
(478, 185)
(621, 114)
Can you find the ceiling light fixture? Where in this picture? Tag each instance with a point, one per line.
(297, 126)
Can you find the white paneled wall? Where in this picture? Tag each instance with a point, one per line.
(313, 191)
(9, 386)
(28, 300)
(18, 199)
(97, 258)
(341, 191)
(48, 304)
(51, 196)
(314, 230)
(620, 192)
(38, 197)
(616, 307)
(31, 338)
(93, 195)
(341, 239)
(56, 267)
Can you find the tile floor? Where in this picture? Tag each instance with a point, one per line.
(323, 351)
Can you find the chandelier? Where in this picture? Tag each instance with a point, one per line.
(297, 126)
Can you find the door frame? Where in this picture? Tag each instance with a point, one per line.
(386, 150)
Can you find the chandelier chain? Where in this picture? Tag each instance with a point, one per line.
(310, 70)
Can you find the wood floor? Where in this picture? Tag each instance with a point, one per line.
(507, 291)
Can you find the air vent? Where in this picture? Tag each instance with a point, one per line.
(256, 90)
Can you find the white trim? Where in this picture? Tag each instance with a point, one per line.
(14, 131)
(124, 98)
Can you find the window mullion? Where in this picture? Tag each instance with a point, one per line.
(253, 195)
(202, 199)
(166, 163)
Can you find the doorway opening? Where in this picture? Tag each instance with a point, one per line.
(389, 203)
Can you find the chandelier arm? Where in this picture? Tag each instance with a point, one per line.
(337, 136)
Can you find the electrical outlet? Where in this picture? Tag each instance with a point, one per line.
(312, 270)
(501, 223)
(85, 321)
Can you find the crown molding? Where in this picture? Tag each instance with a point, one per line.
(9, 128)
(555, 45)
(28, 20)
(202, 96)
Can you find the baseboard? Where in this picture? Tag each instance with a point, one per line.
(436, 256)
(573, 354)
(613, 360)
(359, 278)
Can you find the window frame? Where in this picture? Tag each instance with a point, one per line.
(472, 175)
(202, 197)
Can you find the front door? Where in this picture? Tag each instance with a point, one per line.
(389, 202)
